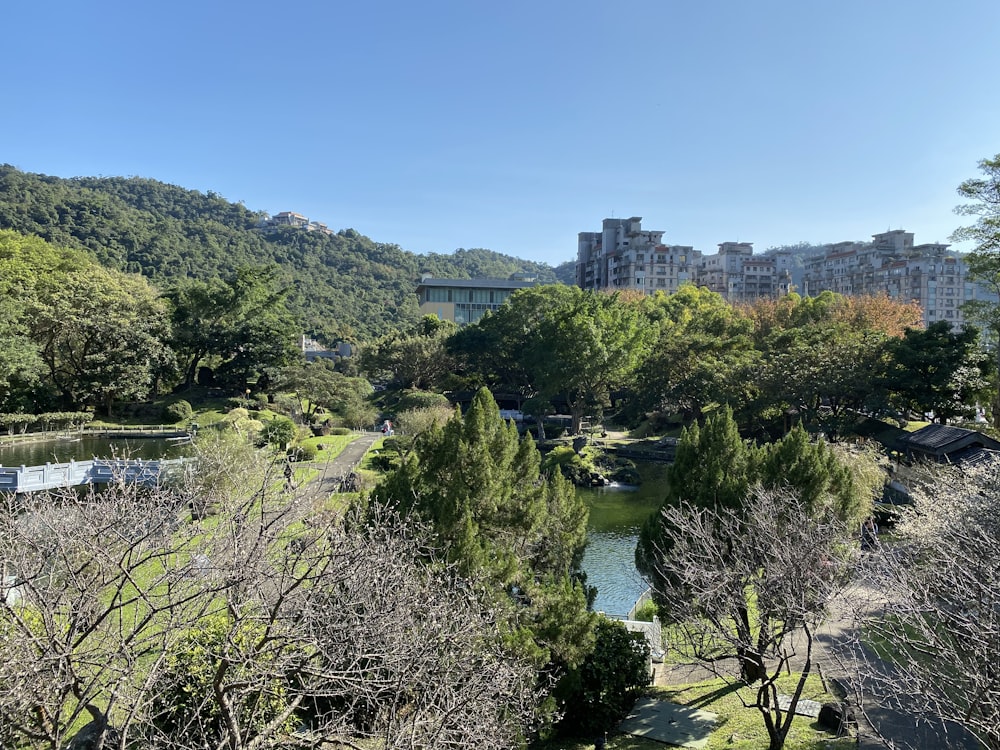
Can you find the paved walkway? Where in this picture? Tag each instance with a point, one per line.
(843, 661)
(333, 472)
(866, 680)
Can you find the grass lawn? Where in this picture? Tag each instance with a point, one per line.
(332, 445)
(739, 728)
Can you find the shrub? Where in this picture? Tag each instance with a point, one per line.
(340, 431)
(183, 703)
(417, 421)
(412, 400)
(304, 452)
(647, 611)
(604, 688)
(570, 463)
(178, 411)
(287, 404)
(279, 431)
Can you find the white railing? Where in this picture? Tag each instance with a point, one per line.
(19, 479)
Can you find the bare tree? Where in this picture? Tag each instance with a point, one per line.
(259, 623)
(935, 623)
(751, 585)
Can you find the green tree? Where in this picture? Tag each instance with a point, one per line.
(20, 363)
(243, 323)
(495, 350)
(821, 477)
(491, 511)
(983, 196)
(319, 385)
(715, 469)
(820, 357)
(937, 369)
(413, 359)
(602, 690)
(101, 336)
(586, 347)
(279, 431)
(28, 266)
(703, 352)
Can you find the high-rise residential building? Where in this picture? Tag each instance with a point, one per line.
(623, 255)
(740, 276)
(892, 264)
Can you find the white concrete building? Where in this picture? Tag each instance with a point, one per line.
(892, 264)
(625, 256)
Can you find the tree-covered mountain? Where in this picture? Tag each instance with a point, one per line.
(344, 285)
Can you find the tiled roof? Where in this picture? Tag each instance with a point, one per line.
(935, 436)
(974, 454)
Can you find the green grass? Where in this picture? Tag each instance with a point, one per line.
(739, 727)
(332, 446)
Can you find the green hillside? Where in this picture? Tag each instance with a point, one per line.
(345, 285)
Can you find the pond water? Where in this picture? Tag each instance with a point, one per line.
(616, 515)
(86, 448)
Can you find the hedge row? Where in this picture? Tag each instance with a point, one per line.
(53, 420)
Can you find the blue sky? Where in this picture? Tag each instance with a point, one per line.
(513, 126)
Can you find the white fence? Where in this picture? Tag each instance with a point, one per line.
(99, 471)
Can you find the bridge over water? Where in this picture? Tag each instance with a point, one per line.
(19, 479)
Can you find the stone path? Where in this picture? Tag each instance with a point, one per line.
(863, 676)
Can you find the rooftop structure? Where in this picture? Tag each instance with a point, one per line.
(740, 276)
(297, 221)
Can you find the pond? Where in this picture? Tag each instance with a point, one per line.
(616, 515)
(87, 447)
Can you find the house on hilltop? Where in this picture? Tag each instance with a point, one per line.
(296, 221)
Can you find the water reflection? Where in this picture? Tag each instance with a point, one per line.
(87, 447)
(616, 515)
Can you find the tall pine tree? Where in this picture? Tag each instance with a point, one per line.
(494, 514)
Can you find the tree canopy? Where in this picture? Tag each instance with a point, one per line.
(344, 286)
(983, 196)
(492, 511)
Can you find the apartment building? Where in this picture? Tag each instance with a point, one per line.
(740, 276)
(623, 255)
(892, 264)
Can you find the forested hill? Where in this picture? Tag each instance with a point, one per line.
(344, 285)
